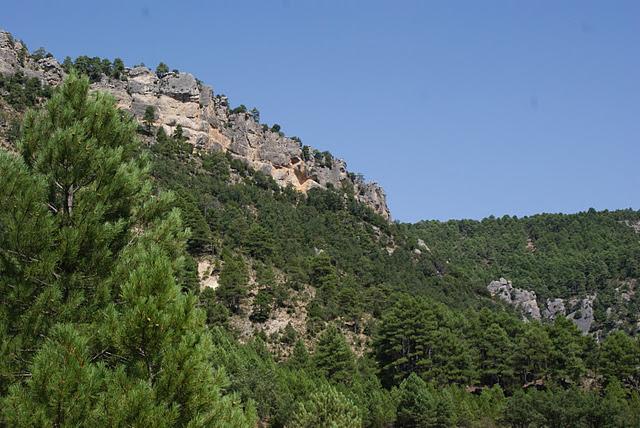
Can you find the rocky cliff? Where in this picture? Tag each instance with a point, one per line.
(208, 123)
(578, 310)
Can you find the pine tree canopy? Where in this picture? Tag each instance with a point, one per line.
(96, 329)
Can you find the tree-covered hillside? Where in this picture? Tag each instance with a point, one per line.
(315, 311)
(556, 255)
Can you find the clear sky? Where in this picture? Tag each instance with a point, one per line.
(459, 109)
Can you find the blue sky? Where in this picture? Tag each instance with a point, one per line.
(459, 109)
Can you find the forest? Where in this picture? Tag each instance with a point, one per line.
(103, 321)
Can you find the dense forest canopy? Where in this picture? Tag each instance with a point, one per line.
(104, 322)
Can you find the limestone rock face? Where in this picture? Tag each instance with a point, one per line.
(207, 122)
(14, 58)
(141, 80)
(51, 71)
(578, 310)
(524, 300)
(181, 86)
(582, 316)
(554, 309)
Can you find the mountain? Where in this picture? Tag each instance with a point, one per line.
(166, 259)
(208, 123)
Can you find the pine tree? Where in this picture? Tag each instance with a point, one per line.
(299, 359)
(333, 357)
(405, 341)
(619, 358)
(262, 306)
(568, 347)
(233, 282)
(420, 406)
(117, 69)
(149, 117)
(533, 353)
(259, 242)
(162, 69)
(27, 258)
(326, 408)
(496, 352)
(119, 253)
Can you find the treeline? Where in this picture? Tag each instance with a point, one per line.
(94, 67)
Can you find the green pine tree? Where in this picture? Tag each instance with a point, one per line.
(118, 255)
(326, 408)
(333, 357)
(233, 282)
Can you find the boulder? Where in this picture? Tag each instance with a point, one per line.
(52, 72)
(524, 300)
(583, 316)
(181, 86)
(554, 309)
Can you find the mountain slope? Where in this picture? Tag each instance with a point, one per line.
(318, 308)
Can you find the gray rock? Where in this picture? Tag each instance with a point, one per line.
(373, 195)
(583, 316)
(9, 48)
(554, 309)
(142, 81)
(524, 300)
(181, 86)
(423, 245)
(527, 302)
(277, 150)
(240, 146)
(206, 96)
(52, 72)
(15, 58)
(202, 141)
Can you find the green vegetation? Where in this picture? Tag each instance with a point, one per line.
(95, 329)
(149, 117)
(23, 92)
(556, 255)
(240, 109)
(162, 69)
(102, 321)
(94, 67)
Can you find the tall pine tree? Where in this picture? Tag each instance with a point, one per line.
(113, 341)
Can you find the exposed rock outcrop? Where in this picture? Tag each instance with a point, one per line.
(554, 309)
(14, 58)
(524, 300)
(582, 314)
(208, 123)
(578, 310)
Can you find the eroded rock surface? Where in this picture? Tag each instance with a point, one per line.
(524, 300)
(208, 123)
(14, 58)
(578, 310)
